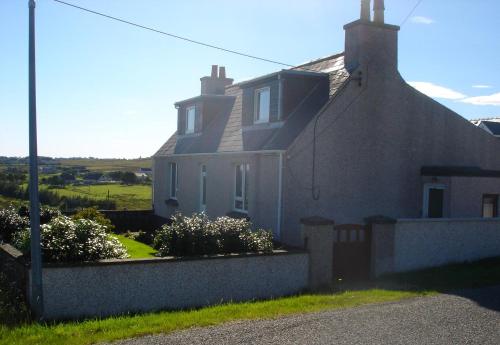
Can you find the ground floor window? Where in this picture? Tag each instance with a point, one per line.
(433, 201)
(241, 187)
(490, 205)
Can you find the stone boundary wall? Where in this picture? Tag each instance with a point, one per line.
(114, 287)
(412, 244)
(13, 265)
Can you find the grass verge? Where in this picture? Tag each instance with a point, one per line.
(94, 331)
(388, 289)
(135, 249)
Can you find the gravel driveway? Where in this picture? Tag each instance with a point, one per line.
(466, 317)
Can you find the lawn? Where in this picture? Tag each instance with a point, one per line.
(131, 197)
(136, 250)
(393, 288)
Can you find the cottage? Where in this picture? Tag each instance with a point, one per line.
(343, 137)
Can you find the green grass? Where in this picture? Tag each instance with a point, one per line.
(133, 197)
(136, 250)
(91, 332)
(391, 288)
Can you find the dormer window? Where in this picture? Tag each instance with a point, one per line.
(190, 119)
(262, 104)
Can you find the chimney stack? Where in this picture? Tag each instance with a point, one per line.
(216, 83)
(214, 72)
(365, 10)
(222, 72)
(371, 42)
(378, 11)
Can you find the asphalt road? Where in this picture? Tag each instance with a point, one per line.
(465, 317)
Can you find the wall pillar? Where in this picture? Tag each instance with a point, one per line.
(317, 233)
(383, 245)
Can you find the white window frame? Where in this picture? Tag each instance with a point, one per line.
(203, 183)
(425, 205)
(257, 116)
(190, 129)
(173, 191)
(244, 191)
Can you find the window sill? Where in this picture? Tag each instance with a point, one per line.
(238, 215)
(188, 135)
(172, 202)
(263, 125)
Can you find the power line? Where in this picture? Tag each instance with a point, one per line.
(411, 12)
(176, 36)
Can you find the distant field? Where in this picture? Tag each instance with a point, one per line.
(98, 164)
(109, 164)
(135, 197)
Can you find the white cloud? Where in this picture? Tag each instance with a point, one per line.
(480, 86)
(484, 100)
(422, 20)
(436, 91)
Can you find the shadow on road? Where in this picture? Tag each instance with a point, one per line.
(477, 281)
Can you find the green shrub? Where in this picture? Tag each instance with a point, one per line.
(92, 213)
(197, 235)
(64, 240)
(46, 213)
(13, 309)
(11, 222)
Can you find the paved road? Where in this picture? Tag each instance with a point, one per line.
(467, 317)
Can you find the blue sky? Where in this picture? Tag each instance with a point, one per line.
(106, 89)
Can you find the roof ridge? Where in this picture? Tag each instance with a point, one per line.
(334, 56)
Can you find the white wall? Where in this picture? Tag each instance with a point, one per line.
(412, 244)
(122, 286)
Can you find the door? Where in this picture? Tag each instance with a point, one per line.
(436, 198)
(351, 252)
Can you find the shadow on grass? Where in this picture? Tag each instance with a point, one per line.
(478, 281)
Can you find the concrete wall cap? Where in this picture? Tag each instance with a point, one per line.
(315, 220)
(380, 220)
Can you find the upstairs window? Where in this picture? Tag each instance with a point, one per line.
(262, 105)
(241, 188)
(490, 206)
(173, 181)
(190, 119)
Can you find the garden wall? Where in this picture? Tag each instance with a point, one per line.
(121, 286)
(14, 266)
(412, 244)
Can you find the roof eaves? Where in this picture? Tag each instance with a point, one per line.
(203, 97)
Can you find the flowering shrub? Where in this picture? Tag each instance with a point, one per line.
(197, 235)
(11, 222)
(64, 239)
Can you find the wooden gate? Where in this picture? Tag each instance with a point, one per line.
(351, 252)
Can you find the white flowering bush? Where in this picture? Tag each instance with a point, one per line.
(198, 235)
(11, 222)
(64, 240)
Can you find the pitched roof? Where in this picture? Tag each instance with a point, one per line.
(226, 133)
(493, 126)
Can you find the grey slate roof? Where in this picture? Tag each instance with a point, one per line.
(493, 126)
(226, 134)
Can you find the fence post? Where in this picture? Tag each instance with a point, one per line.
(317, 233)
